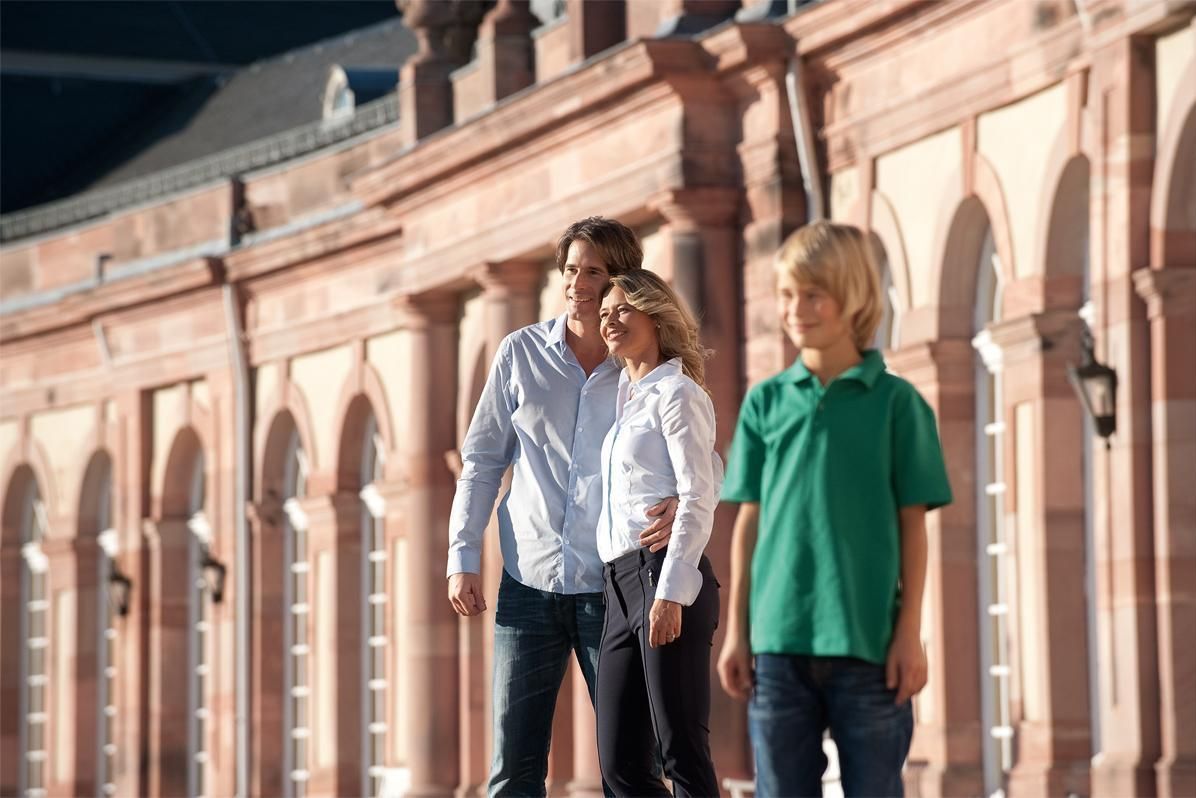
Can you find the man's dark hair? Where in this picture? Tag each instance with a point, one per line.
(617, 245)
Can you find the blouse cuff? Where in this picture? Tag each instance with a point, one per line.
(679, 582)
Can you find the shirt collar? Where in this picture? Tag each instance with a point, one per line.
(556, 333)
(665, 369)
(865, 372)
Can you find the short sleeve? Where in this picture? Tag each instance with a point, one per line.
(919, 473)
(745, 467)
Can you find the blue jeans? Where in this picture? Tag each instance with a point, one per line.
(797, 698)
(534, 633)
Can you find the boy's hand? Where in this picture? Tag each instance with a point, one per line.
(905, 667)
(465, 594)
(664, 621)
(657, 535)
(735, 668)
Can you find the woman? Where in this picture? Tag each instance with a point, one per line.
(653, 692)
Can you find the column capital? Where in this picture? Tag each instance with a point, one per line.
(1033, 335)
(941, 360)
(333, 510)
(689, 209)
(420, 311)
(506, 278)
(1167, 292)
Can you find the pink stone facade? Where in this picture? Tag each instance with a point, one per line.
(287, 399)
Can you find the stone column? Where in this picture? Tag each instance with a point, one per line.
(71, 658)
(169, 669)
(445, 30)
(130, 465)
(511, 293)
(267, 659)
(1045, 525)
(12, 566)
(430, 640)
(774, 206)
(1170, 296)
(700, 257)
(946, 757)
(335, 590)
(1123, 162)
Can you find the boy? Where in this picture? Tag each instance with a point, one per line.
(835, 463)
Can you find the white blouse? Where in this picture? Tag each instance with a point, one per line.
(661, 445)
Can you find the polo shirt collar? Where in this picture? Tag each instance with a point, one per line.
(865, 372)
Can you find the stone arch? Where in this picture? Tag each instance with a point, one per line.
(29, 454)
(887, 230)
(353, 427)
(175, 492)
(290, 410)
(1173, 189)
(958, 239)
(1064, 245)
(97, 477)
(362, 395)
(22, 478)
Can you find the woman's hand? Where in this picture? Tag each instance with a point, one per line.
(664, 622)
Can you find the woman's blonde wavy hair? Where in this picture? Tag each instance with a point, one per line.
(676, 327)
(838, 259)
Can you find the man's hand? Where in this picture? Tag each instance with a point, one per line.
(657, 535)
(905, 667)
(664, 621)
(735, 668)
(465, 594)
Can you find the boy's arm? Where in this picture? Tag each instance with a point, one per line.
(905, 668)
(735, 661)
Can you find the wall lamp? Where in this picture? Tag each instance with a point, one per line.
(214, 572)
(1096, 385)
(120, 589)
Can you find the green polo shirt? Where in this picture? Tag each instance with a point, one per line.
(830, 467)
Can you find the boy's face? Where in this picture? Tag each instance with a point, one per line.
(586, 277)
(810, 316)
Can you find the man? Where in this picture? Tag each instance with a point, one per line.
(548, 403)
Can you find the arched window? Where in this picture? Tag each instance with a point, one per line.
(373, 582)
(297, 706)
(995, 565)
(35, 633)
(198, 610)
(109, 607)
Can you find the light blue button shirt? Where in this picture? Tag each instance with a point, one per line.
(540, 414)
(661, 445)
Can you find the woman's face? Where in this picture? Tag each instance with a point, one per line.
(629, 333)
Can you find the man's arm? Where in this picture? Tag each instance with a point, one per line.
(485, 455)
(735, 661)
(905, 667)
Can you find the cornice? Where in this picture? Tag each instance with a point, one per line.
(81, 308)
(328, 238)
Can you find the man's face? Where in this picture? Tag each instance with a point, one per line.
(586, 278)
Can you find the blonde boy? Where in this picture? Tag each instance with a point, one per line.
(835, 463)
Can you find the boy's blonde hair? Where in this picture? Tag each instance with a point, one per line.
(838, 259)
